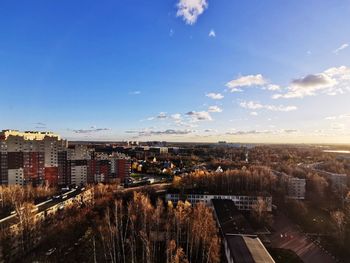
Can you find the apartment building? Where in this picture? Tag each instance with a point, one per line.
(3, 168)
(78, 172)
(30, 157)
(121, 167)
(79, 158)
(339, 181)
(296, 187)
(242, 202)
(43, 157)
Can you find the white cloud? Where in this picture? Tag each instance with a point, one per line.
(171, 32)
(177, 118)
(246, 81)
(254, 113)
(342, 47)
(199, 116)
(332, 81)
(338, 126)
(251, 105)
(215, 96)
(189, 10)
(214, 109)
(135, 92)
(272, 87)
(210, 130)
(236, 90)
(92, 129)
(339, 117)
(257, 132)
(162, 116)
(212, 33)
(150, 132)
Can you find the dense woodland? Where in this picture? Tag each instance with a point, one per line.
(254, 179)
(138, 231)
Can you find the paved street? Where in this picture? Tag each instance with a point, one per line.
(287, 236)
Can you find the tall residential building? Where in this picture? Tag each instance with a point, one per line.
(78, 172)
(109, 168)
(43, 157)
(32, 157)
(295, 187)
(63, 168)
(79, 156)
(120, 167)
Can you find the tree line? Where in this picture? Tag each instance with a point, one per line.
(138, 231)
(246, 180)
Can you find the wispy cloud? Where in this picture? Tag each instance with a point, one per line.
(342, 47)
(135, 92)
(199, 116)
(40, 125)
(91, 130)
(162, 116)
(150, 132)
(177, 118)
(272, 87)
(215, 96)
(189, 10)
(338, 126)
(252, 105)
(338, 117)
(332, 81)
(210, 130)
(214, 109)
(212, 33)
(235, 85)
(257, 132)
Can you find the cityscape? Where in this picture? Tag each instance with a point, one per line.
(160, 201)
(177, 131)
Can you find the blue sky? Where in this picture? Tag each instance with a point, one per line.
(177, 70)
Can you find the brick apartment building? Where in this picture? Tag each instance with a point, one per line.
(43, 157)
(29, 157)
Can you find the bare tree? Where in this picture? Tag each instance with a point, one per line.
(338, 218)
(26, 225)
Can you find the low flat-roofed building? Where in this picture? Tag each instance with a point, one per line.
(231, 220)
(242, 202)
(240, 243)
(247, 249)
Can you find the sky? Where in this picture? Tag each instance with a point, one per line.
(177, 70)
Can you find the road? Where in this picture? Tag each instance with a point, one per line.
(288, 236)
(12, 218)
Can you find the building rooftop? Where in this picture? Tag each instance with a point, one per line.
(243, 244)
(28, 135)
(196, 191)
(248, 249)
(231, 221)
